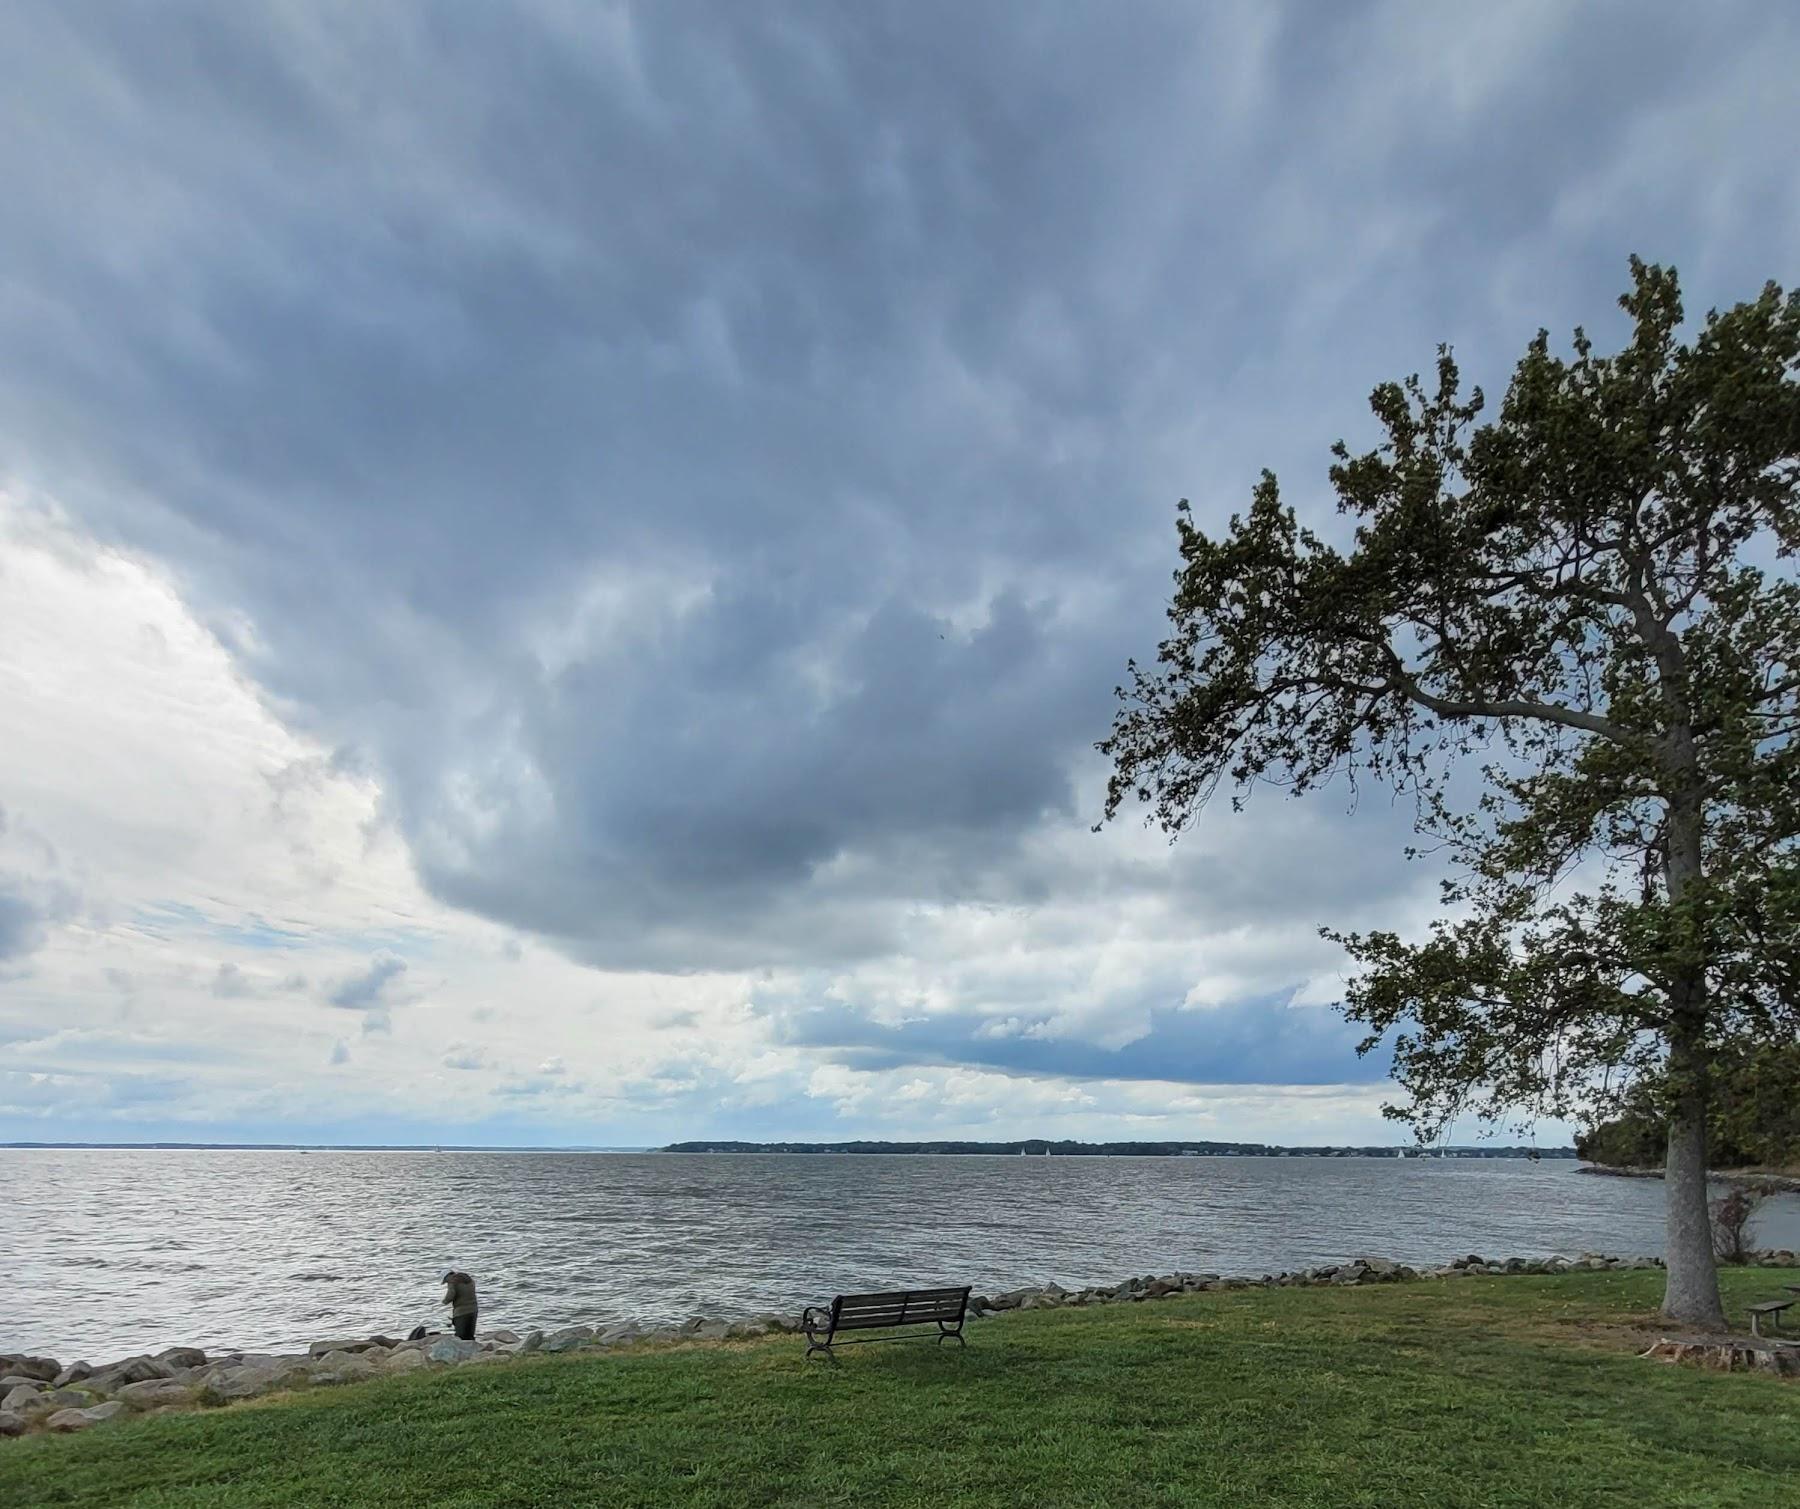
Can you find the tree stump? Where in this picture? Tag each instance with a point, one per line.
(1729, 1354)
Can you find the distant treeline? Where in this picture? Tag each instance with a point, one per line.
(1037, 1147)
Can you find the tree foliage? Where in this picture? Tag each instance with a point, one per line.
(1754, 1119)
(1572, 635)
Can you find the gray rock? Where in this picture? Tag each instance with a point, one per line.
(114, 1376)
(18, 1363)
(567, 1339)
(534, 1341)
(182, 1357)
(19, 1396)
(73, 1373)
(66, 1421)
(51, 1399)
(451, 1349)
(346, 1367)
(153, 1393)
(350, 1344)
(614, 1336)
(500, 1338)
(409, 1360)
(11, 1423)
(252, 1378)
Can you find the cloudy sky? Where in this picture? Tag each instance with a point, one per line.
(561, 562)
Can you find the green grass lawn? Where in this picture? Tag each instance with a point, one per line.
(1492, 1392)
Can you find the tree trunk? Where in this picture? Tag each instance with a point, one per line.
(1691, 1294)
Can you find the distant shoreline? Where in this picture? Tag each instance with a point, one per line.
(1030, 1147)
(309, 1147)
(1039, 1148)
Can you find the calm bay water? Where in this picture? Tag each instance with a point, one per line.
(112, 1252)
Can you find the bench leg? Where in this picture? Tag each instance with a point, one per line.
(946, 1332)
(820, 1346)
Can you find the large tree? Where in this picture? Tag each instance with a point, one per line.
(1572, 634)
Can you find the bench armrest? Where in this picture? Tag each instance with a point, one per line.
(815, 1318)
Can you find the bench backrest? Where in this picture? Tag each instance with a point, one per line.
(871, 1312)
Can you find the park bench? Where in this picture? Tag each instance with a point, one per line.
(1769, 1309)
(944, 1308)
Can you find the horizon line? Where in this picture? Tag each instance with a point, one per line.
(776, 1145)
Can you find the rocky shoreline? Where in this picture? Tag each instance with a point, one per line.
(42, 1394)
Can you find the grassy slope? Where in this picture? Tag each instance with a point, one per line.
(1498, 1392)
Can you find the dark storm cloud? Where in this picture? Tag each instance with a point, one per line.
(711, 465)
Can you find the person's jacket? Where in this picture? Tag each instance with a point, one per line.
(459, 1294)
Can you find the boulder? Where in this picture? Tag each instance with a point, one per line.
(345, 1367)
(1161, 1287)
(41, 1368)
(111, 1378)
(182, 1357)
(614, 1336)
(409, 1360)
(451, 1349)
(49, 1400)
(251, 1378)
(20, 1395)
(534, 1341)
(73, 1373)
(350, 1344)
(153, 1393)
(500, 1338)
(567, 1339)
(11, 1423)
(64, 1421)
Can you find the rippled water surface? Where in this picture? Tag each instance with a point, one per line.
(111, 1252)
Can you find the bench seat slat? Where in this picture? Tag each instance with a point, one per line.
(898, 1309)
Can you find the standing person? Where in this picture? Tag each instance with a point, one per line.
(459, 1295)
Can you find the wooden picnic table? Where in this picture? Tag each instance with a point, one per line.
(1769, 1309)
